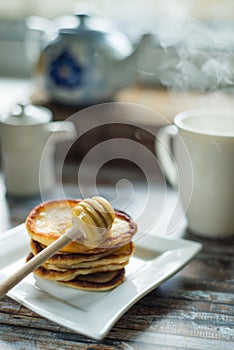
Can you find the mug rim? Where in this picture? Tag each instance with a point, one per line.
(178, 121)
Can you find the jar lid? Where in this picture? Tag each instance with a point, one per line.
(25, 113)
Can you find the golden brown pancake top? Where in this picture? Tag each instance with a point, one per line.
(49, 220)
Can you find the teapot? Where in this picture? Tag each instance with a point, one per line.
(27, 148)
(86, 62)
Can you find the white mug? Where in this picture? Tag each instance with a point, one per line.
(197, 155)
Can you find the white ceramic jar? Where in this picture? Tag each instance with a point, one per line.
(24, 134)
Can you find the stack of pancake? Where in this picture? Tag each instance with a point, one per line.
(76, 265)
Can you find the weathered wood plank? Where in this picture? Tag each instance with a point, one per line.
(127, 339)
(155, 320)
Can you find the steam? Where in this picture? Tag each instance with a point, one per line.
(191, 56)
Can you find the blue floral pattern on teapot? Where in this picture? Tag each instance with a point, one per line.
(65, 71)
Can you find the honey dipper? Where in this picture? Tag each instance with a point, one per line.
(92, 218)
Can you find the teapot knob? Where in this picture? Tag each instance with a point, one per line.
(82, 19)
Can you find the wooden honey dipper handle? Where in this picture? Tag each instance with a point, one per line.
(99, 213)
(36, 261)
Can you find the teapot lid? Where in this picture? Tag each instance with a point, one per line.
(87, 26)
(24, 113)
(83, 24)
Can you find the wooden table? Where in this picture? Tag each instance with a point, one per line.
(192, 310)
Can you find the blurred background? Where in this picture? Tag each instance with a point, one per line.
(204, 24)
(186, 61)
(175, 55)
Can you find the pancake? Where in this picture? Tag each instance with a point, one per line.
(89, 266)
(77, 265)
(71, 274)
(49, 220)
(99, 282)
(62, 261)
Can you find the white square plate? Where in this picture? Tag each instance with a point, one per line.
(155, 260)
